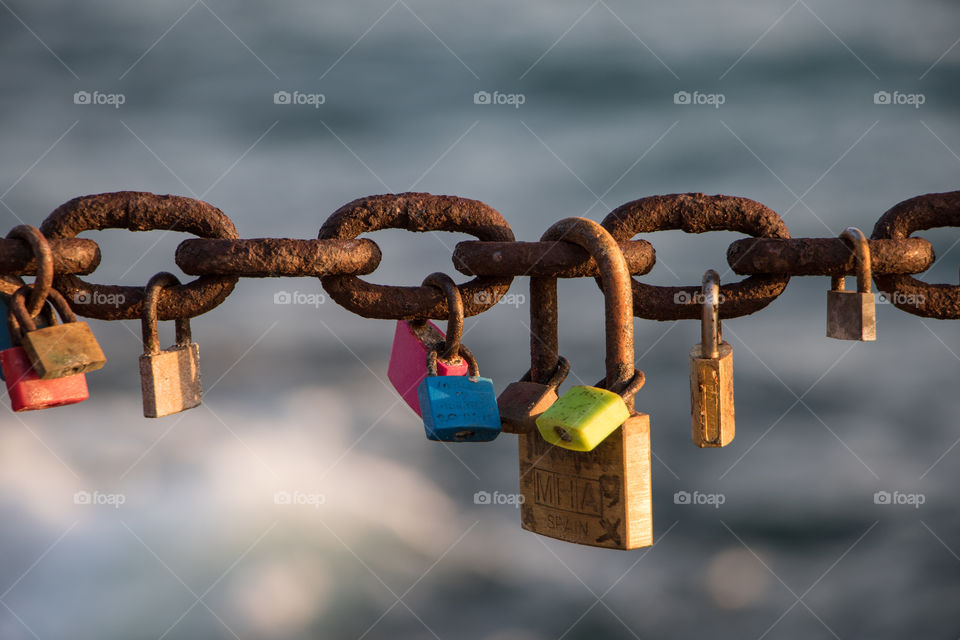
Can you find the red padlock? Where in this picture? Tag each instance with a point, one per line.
(27, 391)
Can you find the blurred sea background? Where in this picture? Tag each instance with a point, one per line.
(296, 398)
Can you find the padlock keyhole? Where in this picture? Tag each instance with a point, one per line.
(563, 434)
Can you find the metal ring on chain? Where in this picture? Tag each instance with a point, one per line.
(699, 213)
(414, 212)
(140, 211)
(44, 259)
(906, 292)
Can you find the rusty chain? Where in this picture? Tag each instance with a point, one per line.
(219, 257)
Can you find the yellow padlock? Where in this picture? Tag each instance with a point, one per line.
(584, 416)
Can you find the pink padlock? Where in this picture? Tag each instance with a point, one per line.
(414, 339)
(408, 359)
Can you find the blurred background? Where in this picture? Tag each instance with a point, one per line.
(180, 532)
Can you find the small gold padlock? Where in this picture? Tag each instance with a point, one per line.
(852, 315)
(59, 350)
(601, 497)
(522, 402)
(711, 374)
(169, 378)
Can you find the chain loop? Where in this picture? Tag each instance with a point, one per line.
(414, 212)
(698, 213)
(139, 211)
(906, 292)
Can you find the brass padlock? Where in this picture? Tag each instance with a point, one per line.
(169, 378)
(711, 374)
(852, 315)
(59, 350)
(522, 402)
(602, 497)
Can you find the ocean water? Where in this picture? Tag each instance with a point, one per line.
(187, 539)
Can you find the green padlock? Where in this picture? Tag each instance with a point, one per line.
(584, 416)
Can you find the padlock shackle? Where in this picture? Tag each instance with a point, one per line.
(22, 319)
(454, 333)
(559, 374)
(472, 368)
(628, 389)
(618, 303)
(861, 248)
(44, 259)
(710, 321)
(148, 321)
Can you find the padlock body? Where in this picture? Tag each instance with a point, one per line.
(28, 392)
(582, 417)
(63, 350)
(600, 498)
(408, 362)
(170, 380)
(521, 403)
(711, 397)
(459, 408)
(851, 315)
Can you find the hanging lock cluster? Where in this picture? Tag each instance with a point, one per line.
(584, 453)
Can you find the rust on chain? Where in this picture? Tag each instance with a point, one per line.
(554, 259)
(277, 257)
(825, 256)
(904, 291)
(140, 211)
(699, 213)
(419, 212)
(618, 307)
(74, 255)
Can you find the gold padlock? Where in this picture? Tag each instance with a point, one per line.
(711, 374)
(602, 497)
(522, 402)
(169, 378)
(59, 350)
(852, 315)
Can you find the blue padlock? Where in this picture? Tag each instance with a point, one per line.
(458, 408)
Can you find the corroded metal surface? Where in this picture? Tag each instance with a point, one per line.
(139, 211)
(417, 212)
(906, 292)
(825, 256)
(73, 255)
(277, 257)
(554, 259)
(699, 213)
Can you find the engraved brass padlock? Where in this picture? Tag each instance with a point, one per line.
(169, 378)
(59, 350)
(522, 402)
(852, 315)
(602, 497)
(711, 374)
